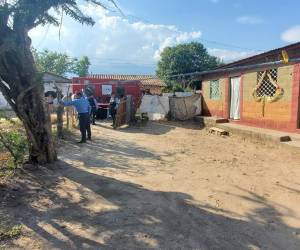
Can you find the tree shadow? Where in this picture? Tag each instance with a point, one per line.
(114, 214)
(154, 127)
(110, 154)
(290, 189)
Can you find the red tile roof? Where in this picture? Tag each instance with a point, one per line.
(146, 80)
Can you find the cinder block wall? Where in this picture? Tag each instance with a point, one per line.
(277, 115)
(212, 107)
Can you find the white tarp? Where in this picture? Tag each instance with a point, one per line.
(157, 107)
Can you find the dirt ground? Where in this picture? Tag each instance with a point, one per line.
(163, 186)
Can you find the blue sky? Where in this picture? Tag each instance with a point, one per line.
(131, 43)
(222, 20)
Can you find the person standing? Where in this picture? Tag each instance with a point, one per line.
(83, 109)
(113, 107)
(94, 105)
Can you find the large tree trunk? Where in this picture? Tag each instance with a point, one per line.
(36, 119)
(22, 87)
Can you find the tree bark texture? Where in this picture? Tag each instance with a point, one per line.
(60, 121)
(22, 87)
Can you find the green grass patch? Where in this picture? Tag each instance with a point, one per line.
(10, 233)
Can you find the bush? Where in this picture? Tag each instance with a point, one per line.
(188, 89)
(16, 144)
(173, 87)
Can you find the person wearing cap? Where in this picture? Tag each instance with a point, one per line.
(83, 109)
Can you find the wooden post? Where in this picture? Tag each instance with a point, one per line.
(59, 114)
(67, 111)
(68, 122)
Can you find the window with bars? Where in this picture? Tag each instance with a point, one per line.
(266, 83)
(214, 90)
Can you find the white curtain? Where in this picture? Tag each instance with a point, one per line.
(235, 98)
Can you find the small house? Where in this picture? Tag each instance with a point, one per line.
(52, 81)
(261, 91)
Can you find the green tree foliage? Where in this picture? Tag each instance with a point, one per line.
(54, 62)
(184, 58)
(12, 140)
(81, 66)
(60, 63)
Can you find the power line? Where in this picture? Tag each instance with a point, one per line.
(230, 45)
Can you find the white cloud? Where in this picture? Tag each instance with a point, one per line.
(249, 20)
(291, 35)
(230, 55)
(113, 41)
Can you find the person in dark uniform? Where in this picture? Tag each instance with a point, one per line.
(83, 109)
(93, 104)
(113, 107)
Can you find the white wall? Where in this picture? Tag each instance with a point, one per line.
(62, 86)
(48, 87)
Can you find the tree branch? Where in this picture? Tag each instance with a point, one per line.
(74, 12)
(46, 19)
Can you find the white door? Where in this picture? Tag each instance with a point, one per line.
(235, 98)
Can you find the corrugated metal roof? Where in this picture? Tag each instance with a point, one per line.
(146, 80)
(264, 55)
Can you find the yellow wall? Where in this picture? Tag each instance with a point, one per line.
(212, 106)
(277, 111)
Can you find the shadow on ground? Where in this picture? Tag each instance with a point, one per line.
(100, 212)
(109, 153)
(153, 128)
(141, 218)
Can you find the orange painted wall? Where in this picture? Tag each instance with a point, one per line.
(270, 115)
(282, 115)
(214, 107)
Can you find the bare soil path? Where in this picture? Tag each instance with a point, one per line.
(164, 186)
